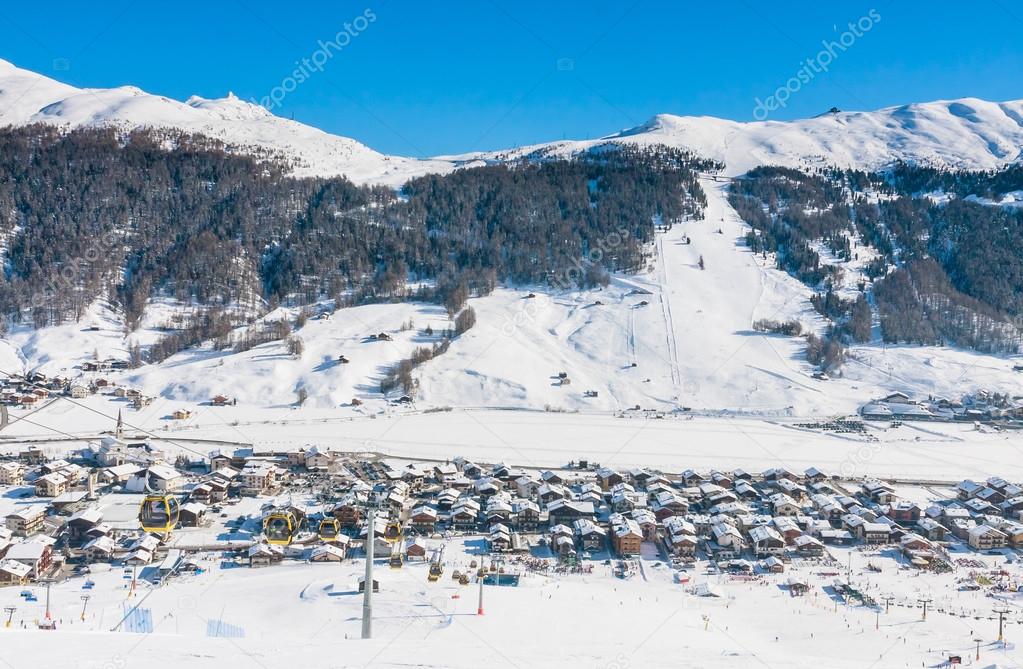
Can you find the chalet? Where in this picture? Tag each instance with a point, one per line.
(349, 513)
(668, 503)
(607, 478)
(446, 498)
(968, 489)
(745, 491)
(264, 555)
(766, 541)
(79, 391)
(317, 460)
(147, 542)
(157, 478)
(878, 491)
(773, 565)
(931, 529)
(808, 546)
(912, 543)
(838, 537)
(51, 485)
(561, 531)
(498, 509)
(624, 499)
(334, 552)
(814, 475)
(13, 572)
(679, 540)
(626, 537)
(487, 486)
(27, 521)
(787, 527)
(1011, 507)
(778, 473)
(416, 549)
(727, 536)
(783, 505)
(902, 511)
(876, 533)
(258, 478)
(423, 518)
(443, 471)
(141, 401)
(555, 478)
(100, 549)
(500, 539)
(591, 536)
(568, 511)
(692, 478)
(721, 479)
(795, 490)
(798, 586)
(985, 537)
(192, 514)
(80, 523)
(12, 474)
(979, 507)
(527, 515)
(464, 517)
(647, 522)
(991, 496)
(211, 491)
(527, 486)
(549, 492)
(1013, 532)
(563, 547)
(828, 507)
(37, 555)
(472, 470)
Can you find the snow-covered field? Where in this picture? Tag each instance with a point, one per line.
(536, 439)
(301, 614)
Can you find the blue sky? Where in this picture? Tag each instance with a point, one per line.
(426, 78)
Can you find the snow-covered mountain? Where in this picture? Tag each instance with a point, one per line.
(27, 97)
(966, 133)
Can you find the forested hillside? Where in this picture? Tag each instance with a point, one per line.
(100, 213)
(944, 267)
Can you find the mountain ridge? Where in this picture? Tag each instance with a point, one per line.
(965, 133)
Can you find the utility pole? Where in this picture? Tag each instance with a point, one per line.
(925, 601)
(85, 603)
(367, 593)
(48, 600)
(482, 572)
(1001, 611)
(978, 640)
(9, 610)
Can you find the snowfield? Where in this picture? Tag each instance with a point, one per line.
(301, 614)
